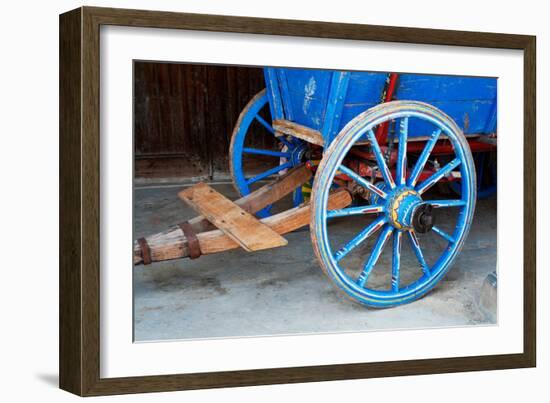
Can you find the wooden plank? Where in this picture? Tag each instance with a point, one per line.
(302, 132)
(264, 196)
(255, 201)
(313, 136)
(238, 224)
(171, 244)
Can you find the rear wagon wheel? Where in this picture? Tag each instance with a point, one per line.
(287, 155)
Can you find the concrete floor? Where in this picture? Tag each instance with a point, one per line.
(284, 291)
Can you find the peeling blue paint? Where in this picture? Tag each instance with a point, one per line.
(309, 95)
(309, 91)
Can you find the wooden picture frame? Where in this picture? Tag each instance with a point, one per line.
(79, 200)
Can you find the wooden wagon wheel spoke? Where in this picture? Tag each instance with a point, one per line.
(375, 255)
(396, 259)
(401, 171)
(367, 232)
(443, 234)
(421, 162)
(271, 153)
(270, 128)
(386, 174)
(288, 144)
(447, 203)
(263, 122)
(435, 177)
(415, 245)
(362, 181)
(269, 172)
(360, 210)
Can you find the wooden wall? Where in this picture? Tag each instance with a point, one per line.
(184, 115)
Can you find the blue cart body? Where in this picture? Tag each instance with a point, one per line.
(374, 160)
(327, 100)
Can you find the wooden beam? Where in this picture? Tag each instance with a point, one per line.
(302, 132)
(172, 244)
(241, 226)
(264, 196)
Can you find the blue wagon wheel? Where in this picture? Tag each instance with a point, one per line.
(286, 155)
(404, 210)
(486, 173)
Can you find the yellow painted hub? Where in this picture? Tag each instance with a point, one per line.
(401, 207)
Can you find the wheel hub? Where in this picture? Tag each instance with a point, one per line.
(297, 153)
(406, 210)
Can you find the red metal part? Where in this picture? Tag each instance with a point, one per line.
(443, 147)
(360, 163)
(365, 170)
